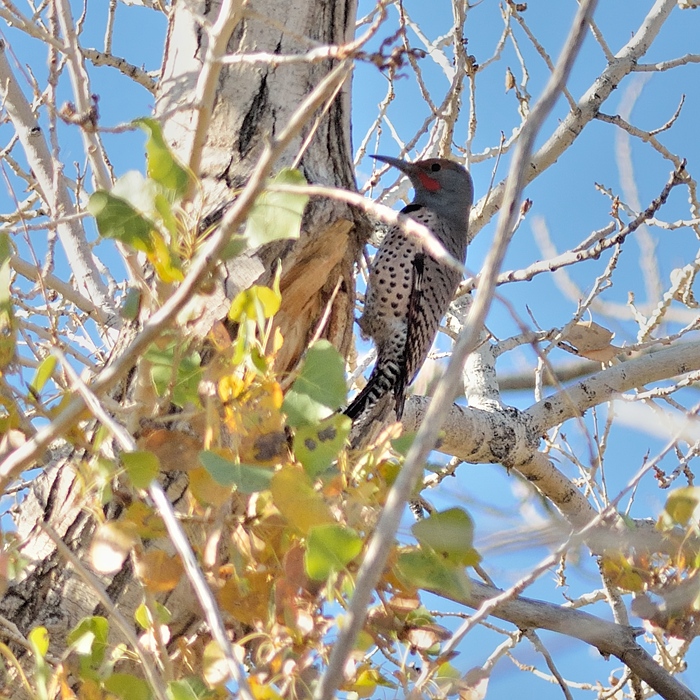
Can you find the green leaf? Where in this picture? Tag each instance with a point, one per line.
(117, 219)
(402, 444)
(6, 248)
(7, 317)
(89, 639)
(448, 678)
(141, 466)
(681, 504)
(317, 446)
(245, 478)
(143, 615)
(330, 548)
(425, 569)
(162, 165)
(450, 534)
(319, 390)
(255, 303)
(170, 368)
(187, 689)
(165, 210)
(234, 247)
(277, 215)
(127, 687)
(43, 373)
(131, 303)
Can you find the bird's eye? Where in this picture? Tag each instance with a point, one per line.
(435, 167)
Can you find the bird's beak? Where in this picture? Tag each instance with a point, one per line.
(401, 165)
(416, 173)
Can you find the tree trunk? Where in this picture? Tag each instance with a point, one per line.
(254, 102)
(317, 285)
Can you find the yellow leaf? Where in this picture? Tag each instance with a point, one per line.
(253, 303)
(39, 639)
(263, 691)
(248, 602)
(176, 451)
(206, 490)
(146, 522)
(158, 571)
(230, 387)
(214, 665)
(296, 499)
(166, 264)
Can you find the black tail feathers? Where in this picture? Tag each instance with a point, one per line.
(387, 377)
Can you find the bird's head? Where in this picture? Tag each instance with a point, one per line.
(440, 184)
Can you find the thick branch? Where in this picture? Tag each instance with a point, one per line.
(601, 387)
(510, 437)
(477, 436)
(608, 637)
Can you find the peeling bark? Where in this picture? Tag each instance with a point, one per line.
(254, 102)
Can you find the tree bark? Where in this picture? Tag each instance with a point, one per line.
(252, 103)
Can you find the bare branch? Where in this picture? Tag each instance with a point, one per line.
(668, 65)
(587, 108)
(389, 216)
(83, 99)
(382, 540)
(138, 75)
(70, 231)
(607, 637)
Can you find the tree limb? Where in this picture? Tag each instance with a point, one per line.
(608, 637)
(53, 188)
(383, 539)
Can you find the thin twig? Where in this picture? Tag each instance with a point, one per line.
(383, 538)
(177, 534)
(154, 680)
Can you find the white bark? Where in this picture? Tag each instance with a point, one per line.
(53, 188)
(511, 437)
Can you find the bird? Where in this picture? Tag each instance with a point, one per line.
(409, 291)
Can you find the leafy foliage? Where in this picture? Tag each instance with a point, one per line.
(269, 484)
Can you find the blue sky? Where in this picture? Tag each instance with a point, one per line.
(565, 197)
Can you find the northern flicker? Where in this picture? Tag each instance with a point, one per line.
(408, 290)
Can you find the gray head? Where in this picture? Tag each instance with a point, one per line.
(441, 185)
